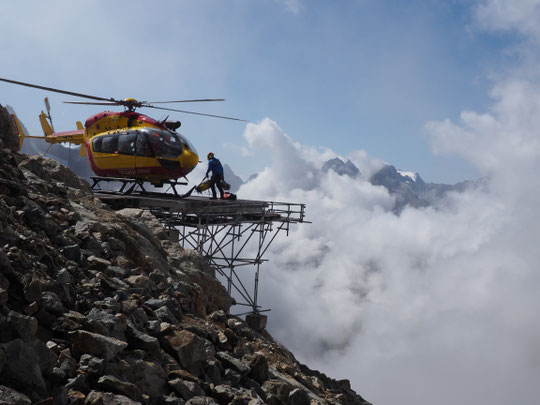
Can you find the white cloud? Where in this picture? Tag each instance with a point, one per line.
(434, 305)
(521, 16)
(293, 6)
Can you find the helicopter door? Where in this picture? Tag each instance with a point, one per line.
(144, 154)
(126, 152)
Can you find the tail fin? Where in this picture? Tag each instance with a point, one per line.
(19, 130)
(47, 130)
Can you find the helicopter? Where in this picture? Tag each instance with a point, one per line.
(125, 146)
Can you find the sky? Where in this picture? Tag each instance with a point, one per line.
(343, 75)
(436, 305)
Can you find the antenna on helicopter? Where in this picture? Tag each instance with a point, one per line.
(48, 107)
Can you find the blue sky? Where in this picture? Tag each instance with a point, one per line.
(344, 75)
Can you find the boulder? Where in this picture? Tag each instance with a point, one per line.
(9, 135)
(94, 343)
(186, 389)
(106, 398)
(22, 369)
(189, 349)
(113, 384)
(9, 396)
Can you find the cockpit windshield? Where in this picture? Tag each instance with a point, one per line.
(185, 141)
(164, 143)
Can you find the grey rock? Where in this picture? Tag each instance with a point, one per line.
(156, 303)
(218, 316)
(3, 360)
(172, 399)
(91, 365)
(189, 349)
(223, 393)
(212, 371)
(64, 277)
(78, 383)
(8, 130)
(259, 368)
(166, 315)
(153, 327)
(72, 252)
(140, 340)
(299, 396)
(51, 302)
(47, 357)
(277, 392)
(148, 375)
(68, 364)
(22, 369)
(254, 385)
(4, 282)
(98, 263)
(202, 401)
(26, 326)
(93, 343)
(113, 325)
(106, 398)
(32, 289)
(231, 376)
(5, 265)
(229, 361)
(113, 384)
(8, 396)
(186, 389)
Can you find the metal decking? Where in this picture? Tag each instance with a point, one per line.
(230, 234)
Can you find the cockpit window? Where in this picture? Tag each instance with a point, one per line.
(105, 143)
(143, 147)
(164, 143)
(187, 143)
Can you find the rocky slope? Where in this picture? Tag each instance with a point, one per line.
(99, 308)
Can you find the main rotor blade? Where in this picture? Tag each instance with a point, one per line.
(92, 103)
(194, 113)
(185, 101)
(70, 93)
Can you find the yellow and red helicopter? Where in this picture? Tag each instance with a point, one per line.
(125, 145)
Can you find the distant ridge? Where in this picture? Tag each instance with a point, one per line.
(408, 188)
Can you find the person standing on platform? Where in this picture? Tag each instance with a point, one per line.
(214, 166)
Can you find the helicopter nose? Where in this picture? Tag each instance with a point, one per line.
(189, 159)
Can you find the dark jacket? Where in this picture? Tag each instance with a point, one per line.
(214, 166)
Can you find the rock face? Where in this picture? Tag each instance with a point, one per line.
(342, 168)
(99, 307)
(231, 178)
(407, 188)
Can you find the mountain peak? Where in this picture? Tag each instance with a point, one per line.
(340, 167)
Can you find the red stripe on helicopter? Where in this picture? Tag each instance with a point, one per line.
(127, 114)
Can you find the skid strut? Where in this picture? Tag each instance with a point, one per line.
(125, 186)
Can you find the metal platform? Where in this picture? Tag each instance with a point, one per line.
(230, 234)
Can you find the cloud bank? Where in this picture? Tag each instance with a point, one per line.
(436, 305)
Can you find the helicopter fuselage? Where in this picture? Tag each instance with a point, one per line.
(132, 145)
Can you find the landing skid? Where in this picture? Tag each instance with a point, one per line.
(134, 186)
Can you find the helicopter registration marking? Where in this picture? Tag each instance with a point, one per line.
(134, 171)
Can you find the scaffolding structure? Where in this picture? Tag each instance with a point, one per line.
(232, 235)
